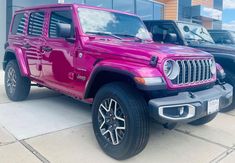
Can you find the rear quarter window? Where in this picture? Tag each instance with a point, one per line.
(18, 26)
(36, 22)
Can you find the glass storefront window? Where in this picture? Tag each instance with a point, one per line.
(27, 3)
(100, 3)
(124, 5)
(75, 1)
(144, 9)
(158, 11)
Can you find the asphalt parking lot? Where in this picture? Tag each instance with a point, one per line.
(50, 127)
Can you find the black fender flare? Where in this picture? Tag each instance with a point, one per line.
(102, 69)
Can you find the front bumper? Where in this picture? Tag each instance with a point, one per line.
(187, 106)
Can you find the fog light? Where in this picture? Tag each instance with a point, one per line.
(177, 112)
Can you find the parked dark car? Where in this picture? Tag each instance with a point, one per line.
(196, 36)
(224, 37)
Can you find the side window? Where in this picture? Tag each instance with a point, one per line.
(36, 21)
(161, 32)
(18, 24)
(220, 38)
(64, 16)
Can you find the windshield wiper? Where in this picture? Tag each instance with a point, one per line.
(132, 36)
(203, 39)
(104, 34)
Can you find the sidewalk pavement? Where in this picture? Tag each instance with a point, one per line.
(50, 127)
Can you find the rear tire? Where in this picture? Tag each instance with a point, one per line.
(230, 78)
(17, 87)
(132, 117)
(203, 120)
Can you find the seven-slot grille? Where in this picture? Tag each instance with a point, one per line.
(193, 71)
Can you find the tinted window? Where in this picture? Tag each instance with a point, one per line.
(233, 36)
(18, 24)
(36, 21)
(160, 32)
(221, 38)
(60, 17)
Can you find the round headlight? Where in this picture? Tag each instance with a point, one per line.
(213, 66)
(171, 69)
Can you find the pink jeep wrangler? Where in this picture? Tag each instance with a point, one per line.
(108, 58)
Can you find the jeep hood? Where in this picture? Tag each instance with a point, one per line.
(142, 51)
(215, 48)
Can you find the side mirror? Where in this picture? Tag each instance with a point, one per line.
(63, 30)
(171, 38)
(186, 29)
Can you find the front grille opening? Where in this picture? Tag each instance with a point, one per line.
(193, 71)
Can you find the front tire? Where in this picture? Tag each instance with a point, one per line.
(203, 120)
(17, 87)
(120, 120)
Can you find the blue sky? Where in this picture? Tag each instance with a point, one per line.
(229, 14)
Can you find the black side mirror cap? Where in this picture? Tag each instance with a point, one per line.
(63, 30)
(171, 38)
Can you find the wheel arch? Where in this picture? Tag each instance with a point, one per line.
(105, 75)
(17, 55)
(226, 61)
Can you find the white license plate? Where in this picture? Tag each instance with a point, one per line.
(213, 106)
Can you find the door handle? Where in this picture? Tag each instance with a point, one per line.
(46, 48)
(27, 45)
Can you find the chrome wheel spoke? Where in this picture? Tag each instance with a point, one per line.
(112, 137)
(117, 136)
(102, 115)
(111, 121)
(11, 80)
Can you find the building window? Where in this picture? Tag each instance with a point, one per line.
(75, 1)
(36, 21)
(18, 24)
(124, 5)
(100, 3)
(144, 9)
(60, 17)
(158, 11)
(218, 4)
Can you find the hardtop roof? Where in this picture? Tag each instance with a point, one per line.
(70, 5)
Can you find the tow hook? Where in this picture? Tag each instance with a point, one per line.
(221, 83)
(169, 126)
(191, 95)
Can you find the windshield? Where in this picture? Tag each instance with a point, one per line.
(233, 36)
(112, 24)
(196, 32)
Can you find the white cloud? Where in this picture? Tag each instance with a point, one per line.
(229, 4)
(229, 26)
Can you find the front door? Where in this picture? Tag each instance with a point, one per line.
(58, 53)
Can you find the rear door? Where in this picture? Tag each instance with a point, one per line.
(17, 32)
(34, 41)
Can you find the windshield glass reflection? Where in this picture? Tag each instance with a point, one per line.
(112, 24)
(196, 32)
